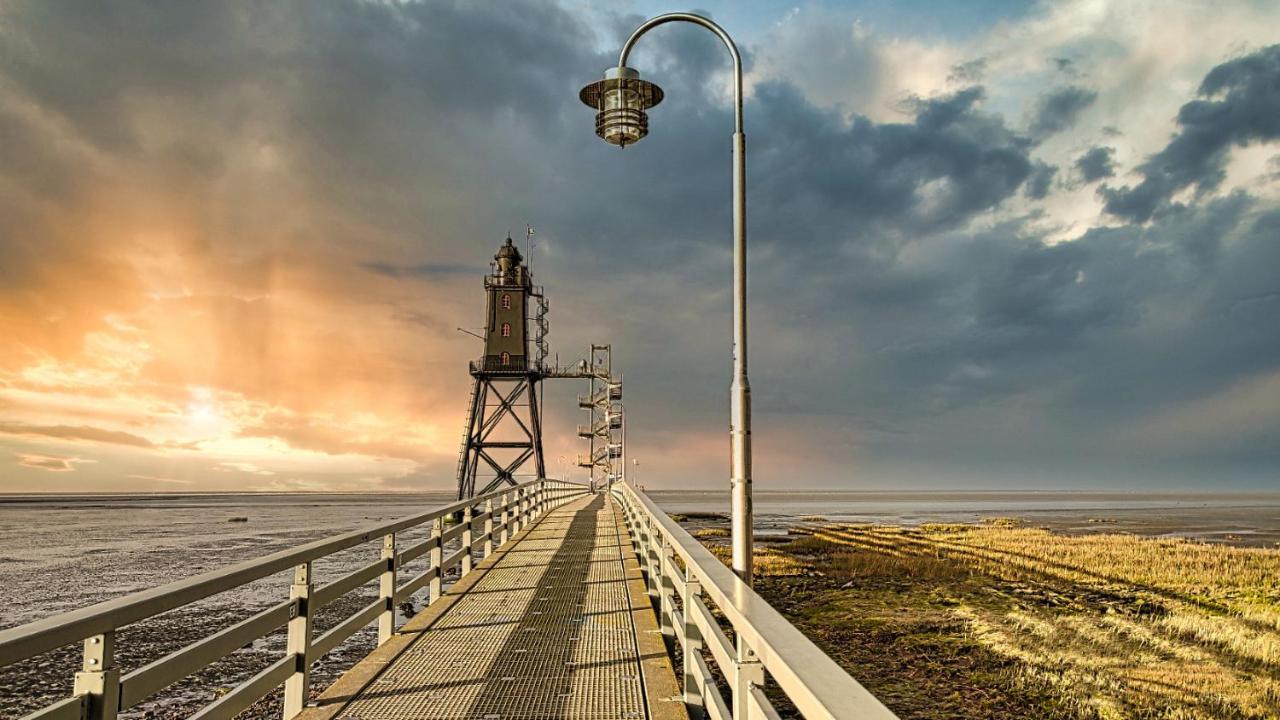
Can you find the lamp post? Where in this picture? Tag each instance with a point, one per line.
(621, 100)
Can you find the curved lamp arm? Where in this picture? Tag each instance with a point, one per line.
(708, 24)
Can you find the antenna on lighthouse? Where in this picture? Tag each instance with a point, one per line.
(528, 246)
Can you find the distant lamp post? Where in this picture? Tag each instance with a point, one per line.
(621, 101)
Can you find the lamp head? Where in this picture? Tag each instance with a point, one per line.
(620, 101)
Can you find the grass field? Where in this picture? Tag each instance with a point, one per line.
(1001, 621)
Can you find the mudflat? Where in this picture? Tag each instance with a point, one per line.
(999, 619)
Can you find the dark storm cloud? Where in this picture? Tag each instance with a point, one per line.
(950, 163)
(1096, 164)
(1040, 181)
(1058, 110)
(1239, 104)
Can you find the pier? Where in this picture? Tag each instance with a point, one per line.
(567, 603)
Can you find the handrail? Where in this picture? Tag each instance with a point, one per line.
(766, 641)
(103, 692)
(54, 632)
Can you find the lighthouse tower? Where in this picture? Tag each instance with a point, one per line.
(503, 437)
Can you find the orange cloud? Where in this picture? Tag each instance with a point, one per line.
(81, 432)
(50, 463)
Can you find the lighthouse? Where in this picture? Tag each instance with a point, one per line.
(506, 347)
(503, 434)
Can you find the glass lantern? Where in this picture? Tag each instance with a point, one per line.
(620, 101)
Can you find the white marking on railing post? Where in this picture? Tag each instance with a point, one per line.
(488, 527)
(297, 687)
(437, 557)
(506, 518)
(467, 542)
(387, 589)
(519, 512)
(100, 678)
(747, 671)
(692, 649)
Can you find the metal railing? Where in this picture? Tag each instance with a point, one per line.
(101, 691)
(516, 364)
(765, 644)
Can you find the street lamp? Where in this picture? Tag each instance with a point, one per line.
(621, 100)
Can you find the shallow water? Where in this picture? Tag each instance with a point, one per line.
(1251, 519)
(62, 552)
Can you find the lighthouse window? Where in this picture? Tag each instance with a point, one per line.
(506, 329)
(506, 302)
(505, 358)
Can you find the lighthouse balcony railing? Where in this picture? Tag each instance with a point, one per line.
(103, 689)
(493, 364)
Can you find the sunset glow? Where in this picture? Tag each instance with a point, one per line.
(234, 252)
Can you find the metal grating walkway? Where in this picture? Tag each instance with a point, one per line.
(545, 632)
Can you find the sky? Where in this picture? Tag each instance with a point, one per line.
(993, 245)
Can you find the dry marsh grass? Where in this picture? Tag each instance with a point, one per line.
(996, 620)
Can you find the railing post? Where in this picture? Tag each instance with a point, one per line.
(437, 557)
(692, 649)
(747, 672)
(519, 512)
(651, 556)
(506, 519)
(467, 541)
(666, 599)
(100, 678)
(297, 687)
(488, 527)
(387, 589)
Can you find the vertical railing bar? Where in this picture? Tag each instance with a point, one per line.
(437, 559)
(747, 672)
(518, 500)
(651, 556)
(467, 543)
(387, 589)
(692, 648)
(666, 607)
(505, 519)
(297, 686)
(99, 679)
(488, 527)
